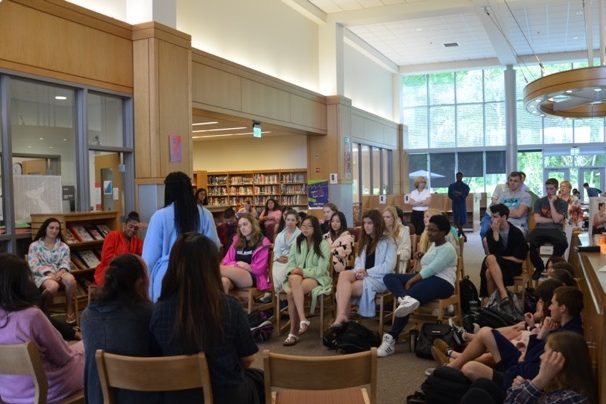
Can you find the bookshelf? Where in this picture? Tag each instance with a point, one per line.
(232, 188)
(85, 248)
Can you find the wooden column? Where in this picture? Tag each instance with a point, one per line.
(162, 100)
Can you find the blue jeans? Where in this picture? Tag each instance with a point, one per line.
(424, 291)
(485, 224)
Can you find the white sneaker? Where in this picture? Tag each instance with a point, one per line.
(406, 305)
(387, 347)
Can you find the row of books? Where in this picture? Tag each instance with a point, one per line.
(77, 233)
(85, 259)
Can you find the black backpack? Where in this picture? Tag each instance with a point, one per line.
(429, 332)
(351, 337)
(445, 385)
(495, 318)
(469, 294)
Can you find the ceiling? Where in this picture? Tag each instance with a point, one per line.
(412, 33)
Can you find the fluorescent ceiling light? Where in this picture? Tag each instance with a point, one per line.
(226, 135)
(218, 130)
(204, 123)
(60, 97)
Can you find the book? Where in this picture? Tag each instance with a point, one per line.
(69, 237)
(103, 229)
(93, 231)
(77, 263)
(89, 258)
(80, 232)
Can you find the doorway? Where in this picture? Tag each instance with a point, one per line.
(560, 173)
(594, 176)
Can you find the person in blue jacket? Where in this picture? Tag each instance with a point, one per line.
(179, 215)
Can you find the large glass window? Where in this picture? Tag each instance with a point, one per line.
(442, 171)
(355, 155)
(372, 167)
(105, 120)
(365, 170)
(386, 170)
(376, 171)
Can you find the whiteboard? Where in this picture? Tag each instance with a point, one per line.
(36, 194)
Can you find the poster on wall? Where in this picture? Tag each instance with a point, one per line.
(36, 194)
(347, 158)
(317, 193)
(176, 149)
(597, 217)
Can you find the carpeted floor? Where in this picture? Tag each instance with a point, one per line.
(398, 375)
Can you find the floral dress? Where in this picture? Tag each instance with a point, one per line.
(44, 262)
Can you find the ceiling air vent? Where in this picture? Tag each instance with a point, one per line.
(451, 44)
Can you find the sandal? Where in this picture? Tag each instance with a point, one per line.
(70, 319)
(291, 340)
(303, 326)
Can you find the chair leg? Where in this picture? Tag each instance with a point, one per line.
(250, 301)
(381, 301)
(321, 297)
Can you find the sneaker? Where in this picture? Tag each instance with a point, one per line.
(406, 305)
(387, 347)
(429, 371)
(458, 332)
(266, 298)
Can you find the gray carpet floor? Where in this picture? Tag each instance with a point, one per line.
(398, 375)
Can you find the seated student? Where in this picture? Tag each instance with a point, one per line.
(424, 239)
(340, 240)
(119, 242)
(246, 208)
(245, 263)
(563, 276)
(218, 326)
(401, 236)
(599, 219)
(20, 322)
(270, 217)
(508, 249)
(328, 210)
(117, 321)
(435, 281)
(549, 215)
(226, 230)
(307, 271)
(283, 243)
(376, 257)
(565, 309)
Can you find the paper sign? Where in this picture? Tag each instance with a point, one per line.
(333, 178)
(116, 194)
(176, 149)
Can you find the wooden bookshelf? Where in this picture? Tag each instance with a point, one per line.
(232, 188)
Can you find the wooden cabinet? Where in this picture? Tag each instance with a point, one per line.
(233, 188)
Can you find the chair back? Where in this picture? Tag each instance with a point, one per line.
(166, 373)
(320, 372)
(24, 359)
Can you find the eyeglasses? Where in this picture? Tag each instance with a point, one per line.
(307, 226)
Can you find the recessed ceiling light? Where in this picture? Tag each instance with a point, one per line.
(65, 140)
(598, 89)
(204, 123)
(60, 97)
(41, 138)
(419, 29)
(450, 44)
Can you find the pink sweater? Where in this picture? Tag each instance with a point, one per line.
(258, 263)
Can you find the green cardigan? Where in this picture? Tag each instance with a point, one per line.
(313, 266)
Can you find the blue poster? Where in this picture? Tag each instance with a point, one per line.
(317, 193)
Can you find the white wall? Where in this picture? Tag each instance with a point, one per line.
(368, 85)
(268, 153)
(265, 35)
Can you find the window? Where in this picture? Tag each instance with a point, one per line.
(376, 171)
(105, 120)
(386, 171)
(374, 164)
(365, 170)
(355, 155)
(470, 125)
(442, 171)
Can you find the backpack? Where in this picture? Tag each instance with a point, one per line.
(350, 337)
(261, 327)
(495, 318)
(445, 385)
(468, 293)
(512, 310)
(257, 317)
(429, 332)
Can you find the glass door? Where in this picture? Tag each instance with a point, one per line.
(594, 176)
(559, 174)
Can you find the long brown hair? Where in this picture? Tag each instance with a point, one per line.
(366, 241)
(193, 275)
(255, 236)
(42, 230)
(317, 235)
(577, 374)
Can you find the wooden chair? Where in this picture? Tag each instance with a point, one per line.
(385, 301)
(166, 373)
(320, 379)
(524, 280)
(249, 295)
(24, 359)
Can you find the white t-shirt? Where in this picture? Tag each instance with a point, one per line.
(418, 197)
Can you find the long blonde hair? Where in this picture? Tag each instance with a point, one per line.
(397, 224)
(424, 240)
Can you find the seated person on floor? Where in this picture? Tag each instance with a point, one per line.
(549, 215)
(565, 309)
(376, 257)
(435, 281)
(508, 250)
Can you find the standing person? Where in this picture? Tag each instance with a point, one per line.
(179, 215)
(20, 322)
(307, 271)
(245, 263)
(376, 257)
(49, 260)
(201, 197)
(328, 210)
(457, 192)
(419, 199)
(119, 242)
(575, 212)
(227, 228)
(591, 191)
(435, 281)
(341, 242)
(218, 326)
(282, 245)
(401, 236)
(270, 217)
(507, 251)
(117, 321)
(549, 215)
